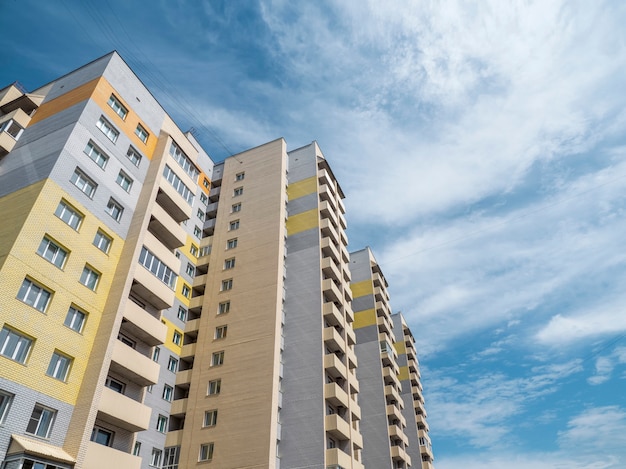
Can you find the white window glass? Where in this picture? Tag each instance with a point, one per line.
(118, 107)
(162, 424)
(85, 184)
(96, 154)
(115, 210)
(69, 215)
(52, 252)
(14, 345)
(141, 133)
(89, 278)
(172, 364)
(134, 156)
(178, 184)
(108, 129)
(41, 421)
(184, 161)
(59, 366)
(157, 267)
(34, 295)
(155, 458)
(124, 181)
(75, 319)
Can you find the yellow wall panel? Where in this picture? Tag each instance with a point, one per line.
(47, 328)
(301, 188)
(364, 318)
(400, 347)
(366, 287)
(169, 343)
(302, 222)
(403, 375)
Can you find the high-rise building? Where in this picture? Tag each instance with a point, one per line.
(160, 310)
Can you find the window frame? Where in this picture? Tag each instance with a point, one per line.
(74, 313)
(223, 307)
(83, 183)
(226, 285)
(133, 156)
(233, 225)
(101, 237)
(124, 181)
(115, 209)
(231, 243)
(60, 366)
(240, 176)
(168, 393)
(42, 251)
(6, 399)
(87, 276)
(206, 452)
(217, 358)
(65, 207)
(108, 129)
(221, 332)
(235, 208)
(172, 364)
(210, 418)
(24, 293)
(141, 133)
(177, 338)
(155, 457)
(161, 424)
(47, 429)
(214, 387)
(229, 263)
(22, 343)
(97, 430)
(121, 110)
(238, 191)
(96, 154)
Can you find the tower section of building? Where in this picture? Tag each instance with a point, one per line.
(89, 267)
(319, 382)
(417, 429)
(383, 423)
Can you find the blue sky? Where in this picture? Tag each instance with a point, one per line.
(481, 146)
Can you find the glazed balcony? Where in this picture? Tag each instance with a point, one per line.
(173, 203)
(123, 412)
(103, 457)
(131, 364)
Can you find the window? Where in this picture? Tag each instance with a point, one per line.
(102, 436)
(182, 313)
(197, 232)
(115, 210)
(52, 252)
(84, 183)
(97, 155)
(69, 215)
(234, 225)
(126, 340)
(41, 421)
(155, 459)
(102, 241)
(177, 338)
(229, 263)
(59, 366)
(134, 156)
(186, 291)
(157, 267)
(124, 181)
(168, 392)
(220, 332)
(238, 191)
(34, 295)
(231, 243)
(14, 345)
(236, 208)
(161, 425)
(224, 307)
(331, 443)
(115, 385)
(193, 250)
(108, 129)
(118, 107)
(90, 278)
(178, 184)
(227, 284)
(205, 183)
(200, 214)
(240, 176)
(141, 133)
(172, 364)
(12, 128)
(206, 452)
(205, 251)
(210, 418)
(155, 354)
(214, 387)
(5, 404)
(184, 161)
(217, 358)
(137, 448)
(75, 319)
(203, 198)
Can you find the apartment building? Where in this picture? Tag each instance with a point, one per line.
(393, 421)
(158, 309)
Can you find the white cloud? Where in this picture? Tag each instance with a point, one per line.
(606, 364)
(595, 430)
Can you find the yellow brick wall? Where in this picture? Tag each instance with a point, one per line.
(47, 328)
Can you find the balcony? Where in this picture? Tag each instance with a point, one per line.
(151, 289)
(350, 336)
(179, 407)
(192, 326)
(345, 257)
(383, 324)
(420, 409)
(8, 138)
(399, 454)
(334, 367)
(330, 269)
(390, 377)
(342, 221)
(188, 350)
(214, 193)
(382, 309)
(331, 291)
(166, 229)
(123, 412)
(328, 211)
(355, 411)
(211, 210)
(332, 315)
(420, 420)
(131, 364)
(357, 440)
(103, 457)
(209, 226)
(354, 385)
(352, 360)
(173, 438)
(333, 340)
(173, 202)
(380, 294)
(183, 377)
(337, 427)
(329, 249)
(395, 414)
(349, 313)
(336, 457)
(143, 325)
(392, 394)
(196, 302)
(328, 230)
(415, 381)
(347, 275)
(396, 433)
(335, 395)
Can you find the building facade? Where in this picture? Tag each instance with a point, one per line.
(160, 310)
